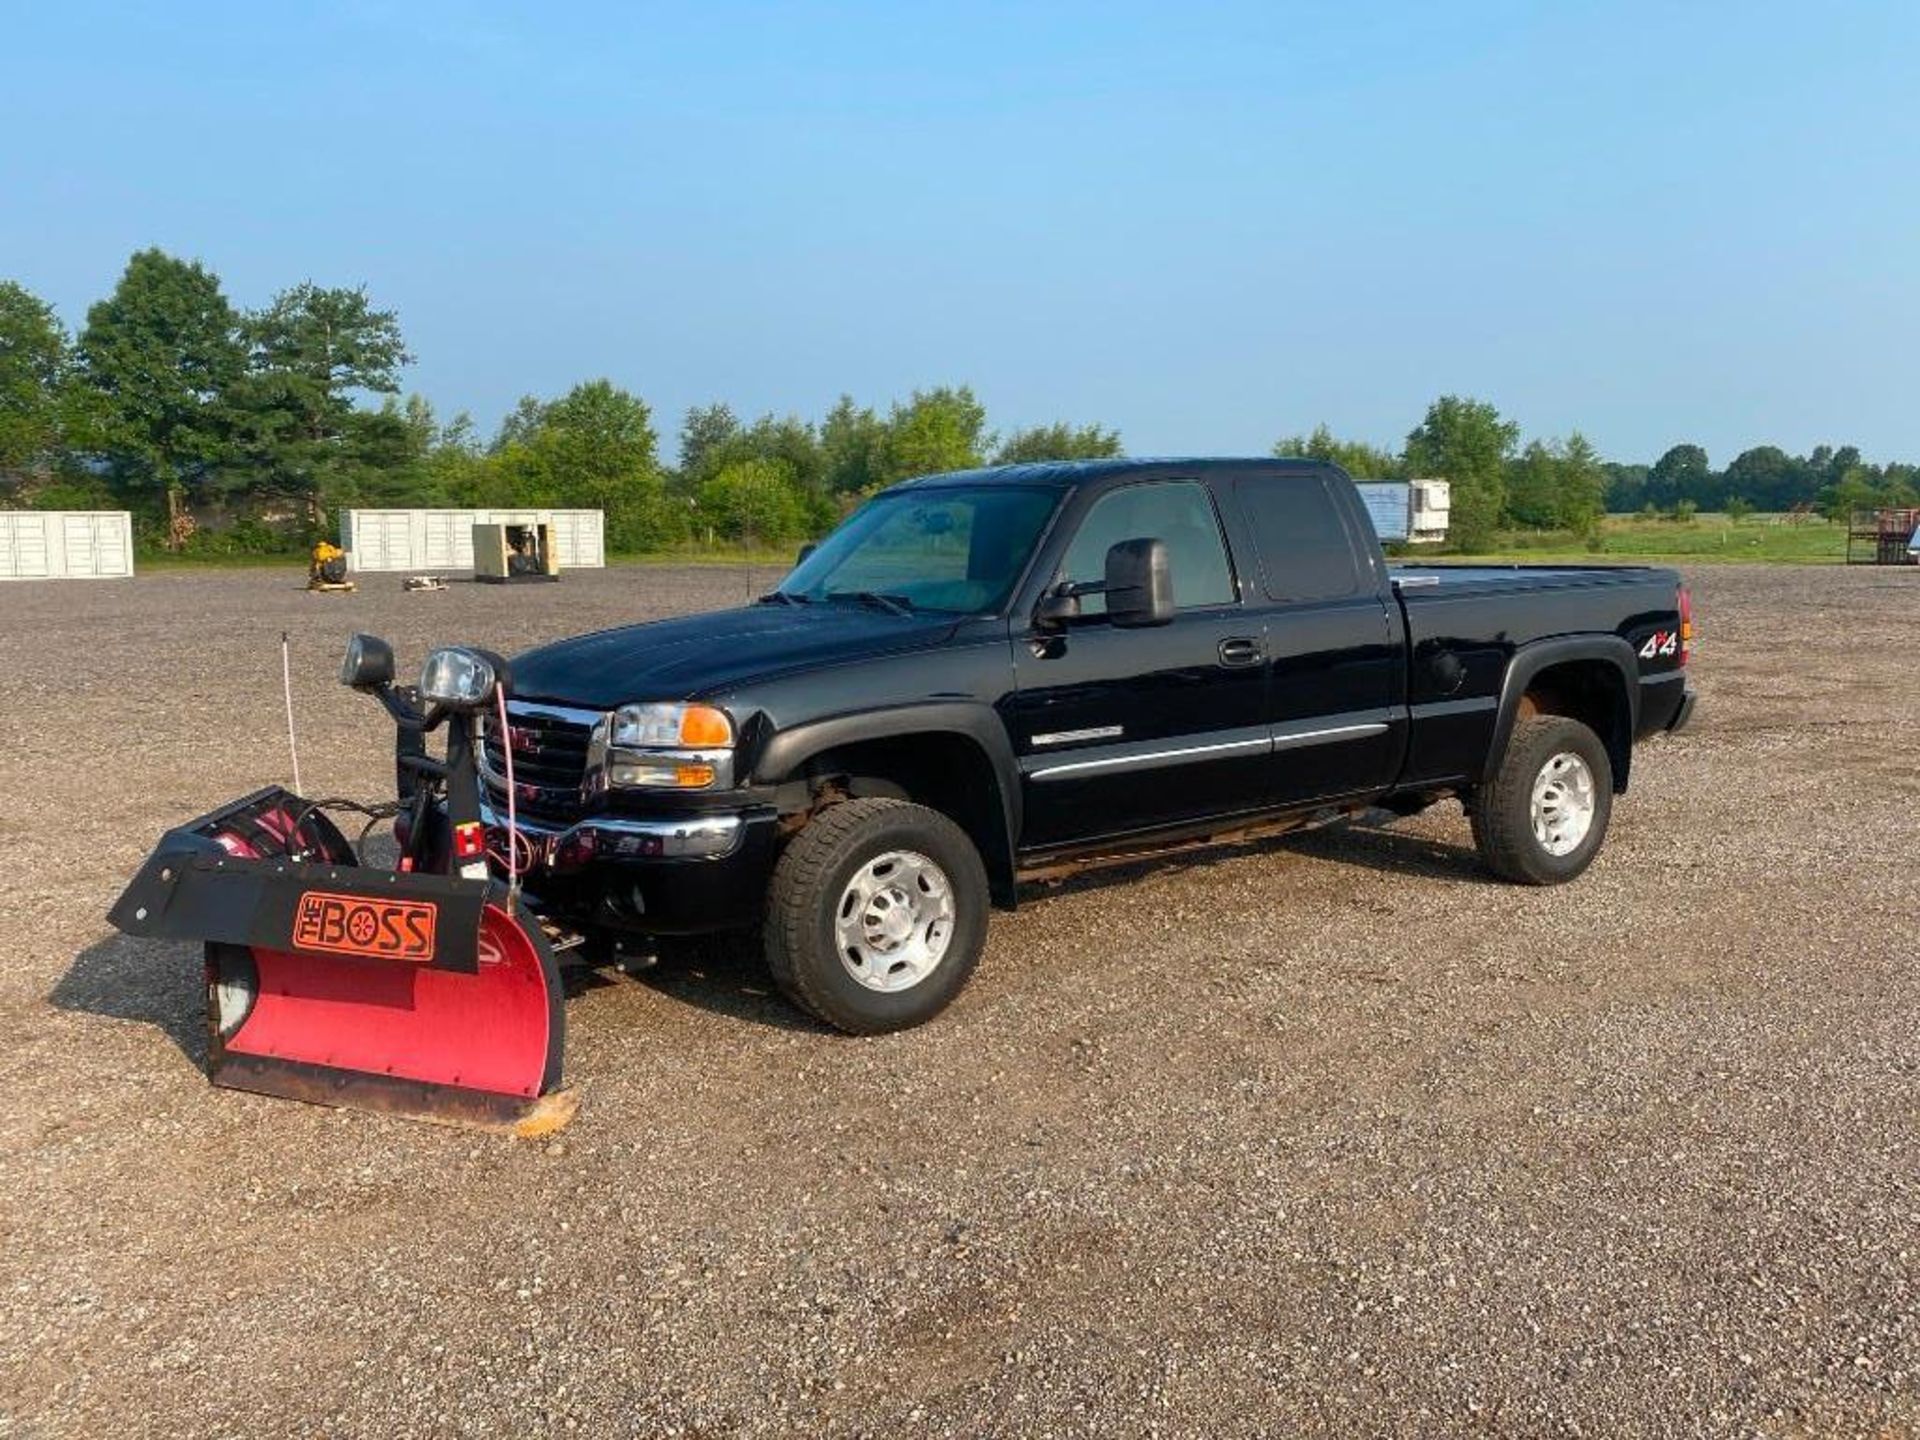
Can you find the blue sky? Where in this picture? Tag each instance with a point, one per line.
(1206, 224)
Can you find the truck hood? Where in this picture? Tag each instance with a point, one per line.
(698, 654)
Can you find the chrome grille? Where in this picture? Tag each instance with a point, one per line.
(551, 748)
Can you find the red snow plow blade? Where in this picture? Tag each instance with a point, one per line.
(422, 995)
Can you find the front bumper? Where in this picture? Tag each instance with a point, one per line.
(665, 875)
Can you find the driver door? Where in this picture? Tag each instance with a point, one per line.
(1126, 729)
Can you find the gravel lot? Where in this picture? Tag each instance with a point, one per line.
(1329, 1134)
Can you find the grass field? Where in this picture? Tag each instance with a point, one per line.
(1709, 537)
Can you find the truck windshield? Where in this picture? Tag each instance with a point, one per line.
(956, 550)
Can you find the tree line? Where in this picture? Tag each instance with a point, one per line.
(229, 429)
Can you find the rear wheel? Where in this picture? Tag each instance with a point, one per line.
(876, 915)
(1543, 816)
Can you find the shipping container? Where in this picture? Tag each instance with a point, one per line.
(428, 540)
(65, 544)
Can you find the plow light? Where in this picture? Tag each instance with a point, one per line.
(454, 675)
(368, 663)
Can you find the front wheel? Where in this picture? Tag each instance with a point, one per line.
(876, 915)
(1543, 816)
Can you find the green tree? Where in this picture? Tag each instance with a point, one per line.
(853, 449)
(1769, 477)
(453, 463)
(1356, 457)
(1852, 491)
(1533, 486)
(755, 500)
(1626, 486)
(593, 448)
(707, 430)
(1681, 474)
(163, 353)
(34, 361)
(1898, 492)
(1580, 492)
(790, 441)
(297, 431)
(520, 424)
(1059, 441)
(1465, 442)
(1738, 508)
(936, 430)
(786, 441)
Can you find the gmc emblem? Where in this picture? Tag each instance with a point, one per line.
(523, 740)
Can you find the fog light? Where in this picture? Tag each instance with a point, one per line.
(662, 774)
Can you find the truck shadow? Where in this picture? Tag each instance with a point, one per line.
(1393, 852)
(727, 975)
(160, 984)
(151, 982)
(1368, 845)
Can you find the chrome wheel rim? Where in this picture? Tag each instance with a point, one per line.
(1563, 803)
(894, 921)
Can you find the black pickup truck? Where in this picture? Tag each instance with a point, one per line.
(998, 675)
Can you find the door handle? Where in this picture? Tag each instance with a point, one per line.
(1239, 650)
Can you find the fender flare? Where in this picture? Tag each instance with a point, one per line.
(1529, 660)
(786, 751)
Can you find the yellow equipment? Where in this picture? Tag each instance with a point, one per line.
(327, 568)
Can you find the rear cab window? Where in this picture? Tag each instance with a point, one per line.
(1302, 543)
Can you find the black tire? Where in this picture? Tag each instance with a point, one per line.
(1503, 828)
(233, 985)
(809, 883)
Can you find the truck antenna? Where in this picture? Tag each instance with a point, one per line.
(286, 687)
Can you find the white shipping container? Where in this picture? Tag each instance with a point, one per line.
(422, 540)
(65, 544)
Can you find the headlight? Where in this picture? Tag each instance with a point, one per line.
(457, 676)
(695, 727)
(670, 747)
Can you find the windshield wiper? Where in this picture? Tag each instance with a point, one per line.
(782, 597)
(892, 604)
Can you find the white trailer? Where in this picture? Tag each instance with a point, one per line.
(1411, 511)
(422, 540)
(66, 544)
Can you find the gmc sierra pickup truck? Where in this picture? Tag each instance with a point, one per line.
(1000, 674)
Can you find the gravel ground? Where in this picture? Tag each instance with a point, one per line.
(1330, 1134)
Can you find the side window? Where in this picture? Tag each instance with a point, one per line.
(1304, 550)
(1179, 512)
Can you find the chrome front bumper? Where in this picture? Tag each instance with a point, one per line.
(560, 848)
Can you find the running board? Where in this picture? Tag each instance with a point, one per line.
(1053, 871)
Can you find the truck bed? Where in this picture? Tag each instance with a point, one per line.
(1492, 578)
